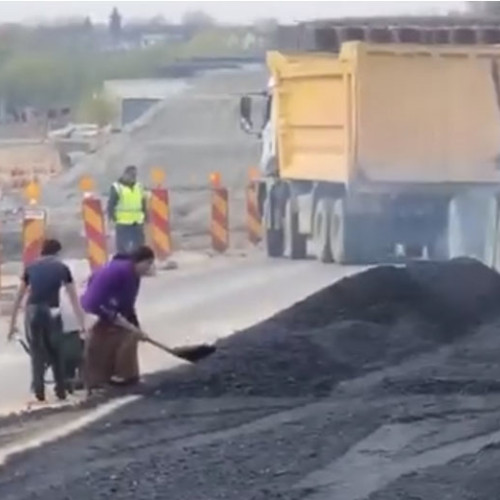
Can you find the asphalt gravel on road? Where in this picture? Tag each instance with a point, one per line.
(362, 323)
(382, 385)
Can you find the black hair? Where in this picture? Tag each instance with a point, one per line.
(140, 254)
(130, 168)
(51, 247)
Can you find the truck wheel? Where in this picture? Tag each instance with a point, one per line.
(295, 244)
(273, 237)
(353, 241)
(321, 231)
(337, 234)
(274, 242)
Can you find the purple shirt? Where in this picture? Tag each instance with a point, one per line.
(112, 290)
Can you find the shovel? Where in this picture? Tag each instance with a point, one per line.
(189, 353)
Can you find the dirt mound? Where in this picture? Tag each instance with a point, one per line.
(364, 322)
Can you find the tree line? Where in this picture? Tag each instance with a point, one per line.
(61, 65)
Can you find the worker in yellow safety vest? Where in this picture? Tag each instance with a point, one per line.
(127, 210)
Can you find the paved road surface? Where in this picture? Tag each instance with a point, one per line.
(203, 300)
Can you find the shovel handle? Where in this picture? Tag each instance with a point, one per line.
(161, 346)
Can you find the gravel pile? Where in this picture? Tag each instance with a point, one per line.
(193, 133)
(362, 323)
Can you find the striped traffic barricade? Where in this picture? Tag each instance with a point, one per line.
(254, 224)
(159, 216)
(94, 225)
(219, 224)
(34, 220)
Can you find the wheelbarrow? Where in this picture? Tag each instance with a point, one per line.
(73, 351)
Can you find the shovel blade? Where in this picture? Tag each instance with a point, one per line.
(194, 353)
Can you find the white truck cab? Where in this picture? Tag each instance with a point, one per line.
(257, 117)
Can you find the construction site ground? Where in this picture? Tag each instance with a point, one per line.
(189, 135)
(383, 386)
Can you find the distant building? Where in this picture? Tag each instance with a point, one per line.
(135, 97)
(153, 39)
(161, 38)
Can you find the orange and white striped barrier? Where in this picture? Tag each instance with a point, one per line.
(159, 216)
(219, 224)
(94, 225)
(254, 224)
(34, 220)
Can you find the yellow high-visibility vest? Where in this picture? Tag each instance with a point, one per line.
(129, 209)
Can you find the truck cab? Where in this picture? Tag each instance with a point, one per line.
(257, 118)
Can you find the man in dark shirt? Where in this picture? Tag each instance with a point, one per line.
(43, 281)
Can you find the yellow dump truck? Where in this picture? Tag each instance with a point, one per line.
(380, 150)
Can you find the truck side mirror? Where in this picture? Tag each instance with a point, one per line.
(246, 112)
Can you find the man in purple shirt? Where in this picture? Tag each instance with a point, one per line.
(111, 346)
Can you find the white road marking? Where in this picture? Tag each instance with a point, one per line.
(66, 429)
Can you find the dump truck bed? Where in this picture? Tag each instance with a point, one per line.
(389, 114)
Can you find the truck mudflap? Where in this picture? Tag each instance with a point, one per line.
(473, 227)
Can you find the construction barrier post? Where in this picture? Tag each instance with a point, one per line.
(34, 219)
(94, 225)
(219, 226)
(159, 216)
(254, 224)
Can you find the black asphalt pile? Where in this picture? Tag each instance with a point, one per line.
(365, 322)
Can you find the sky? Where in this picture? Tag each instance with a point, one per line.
(228, 11)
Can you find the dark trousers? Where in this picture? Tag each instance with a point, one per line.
(45, 338)
(129, 237)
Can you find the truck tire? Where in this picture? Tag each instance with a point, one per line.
(295, 244)
(344, 236)
(274, 242)
(337, 234)
(321, 231)
(354, 240)
(273, 237)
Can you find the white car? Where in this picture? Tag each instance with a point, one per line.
(76, 131)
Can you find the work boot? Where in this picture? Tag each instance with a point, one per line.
(61, 393)
(70, 387)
